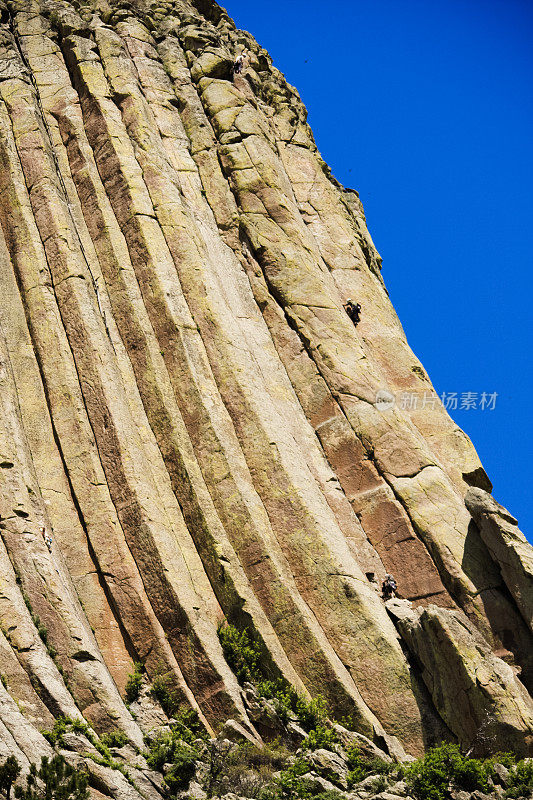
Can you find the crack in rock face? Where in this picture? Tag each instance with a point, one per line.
(198, 429)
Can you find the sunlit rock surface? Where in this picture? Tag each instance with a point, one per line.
(191, 416)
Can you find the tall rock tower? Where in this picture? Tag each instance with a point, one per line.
(192, 429)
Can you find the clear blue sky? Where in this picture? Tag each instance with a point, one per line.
(426, 108)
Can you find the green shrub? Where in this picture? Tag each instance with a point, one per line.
(163, 690)
(273, 756)
(321, 737)
(169, 748)
(55, 736)
(42, 631)
(108, 761)
(9, 772)
(103, 749)
(172, 746)
(245, 770)
(310, 713)
(163, 749)
(362, 765)
(379, 784)
(27, 603)
(241, 652)
(61, 782)
(520, 780)
(183, 766)
(507, 760)
(187, 724)
(290, 782)
(331, 794)
(472, 774)
(284, 696)
(79, 726)
(134, 682)
(349, 722)
(444, 766)
(114, 738)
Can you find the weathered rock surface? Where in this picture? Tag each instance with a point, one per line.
(477, 694)
(508, 547)
(190, 415)
(330, 765)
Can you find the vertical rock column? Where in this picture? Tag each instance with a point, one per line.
(127, 462)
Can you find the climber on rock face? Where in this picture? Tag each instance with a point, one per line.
(353, 310)
(389, 587)
(238, 65)
(47, 538)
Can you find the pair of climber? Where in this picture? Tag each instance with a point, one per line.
(353, 310)
(46, 538)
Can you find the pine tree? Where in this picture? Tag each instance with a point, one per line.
(59, 782)
(9, 772)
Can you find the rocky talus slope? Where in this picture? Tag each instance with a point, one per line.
(189, 413)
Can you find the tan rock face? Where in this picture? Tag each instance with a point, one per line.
(477, 694)
(508, 547)
(190, 415)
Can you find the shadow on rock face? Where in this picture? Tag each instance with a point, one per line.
(511, 639)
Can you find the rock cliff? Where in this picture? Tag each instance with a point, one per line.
(190, 425)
